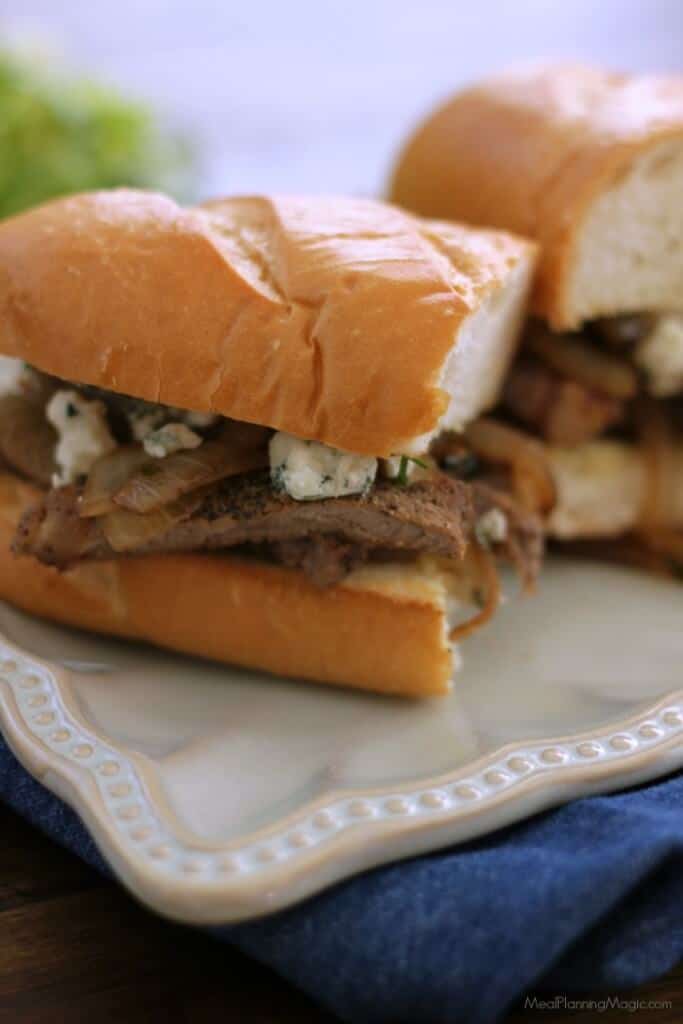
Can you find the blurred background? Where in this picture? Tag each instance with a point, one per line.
(266, 95)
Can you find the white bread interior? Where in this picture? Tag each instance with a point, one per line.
(628, 253)
(586, 161)
(660, 355)
(476, 366)
(602, 487)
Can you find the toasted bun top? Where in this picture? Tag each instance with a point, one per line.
(533, 149)
(328, 318)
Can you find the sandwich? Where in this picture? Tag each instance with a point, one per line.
(238, 430)
(589, 163)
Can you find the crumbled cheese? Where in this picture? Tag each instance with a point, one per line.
(491, 527)
(309, 470)
(15, 376)
(660, 355)
(146, 417)
(173, 437)
(145, 421)
(391, 467)
(83, 431)
(405, 469)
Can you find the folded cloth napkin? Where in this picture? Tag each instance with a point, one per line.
(586, 897)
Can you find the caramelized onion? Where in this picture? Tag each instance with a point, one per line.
(128, 531)
(623, 331)
(531, 474)
(131, 479)
(108, 475)
(666, 542)
(489, 576)
(27, 440)
(578, 360)
(160, 481)
(630, 549)
(656, 437)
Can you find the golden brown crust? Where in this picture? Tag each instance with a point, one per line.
(327, 318)
(382, 631)
(530, 149)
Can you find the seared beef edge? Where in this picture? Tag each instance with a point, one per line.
(326, 539)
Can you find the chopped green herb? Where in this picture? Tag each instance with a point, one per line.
(402, 475)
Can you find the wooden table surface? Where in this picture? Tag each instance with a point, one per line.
(76, 948)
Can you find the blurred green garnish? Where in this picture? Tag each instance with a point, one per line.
(61, 134)
(403, 467)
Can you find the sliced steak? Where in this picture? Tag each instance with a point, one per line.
(54, 532)
(435, 516)
(326, 539)
(560, 410)
(325, 559)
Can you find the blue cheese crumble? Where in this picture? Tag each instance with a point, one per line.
(395, 464)
(83, 434)
(145, 418)
(144, 421)
(308, 470)
(172, 437)
(491, 528)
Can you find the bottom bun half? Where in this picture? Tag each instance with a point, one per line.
(383, 629)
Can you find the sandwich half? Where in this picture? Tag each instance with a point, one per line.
(589, 163)
(237, 430)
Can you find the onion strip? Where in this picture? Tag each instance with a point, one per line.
(489, 573)
(161, 481)
(579, 360)
(129, 531)
(532, 478)
(107, 476)
(665, 542)
(27, 440)
(658, 448)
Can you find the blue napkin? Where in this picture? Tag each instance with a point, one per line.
(587, 897)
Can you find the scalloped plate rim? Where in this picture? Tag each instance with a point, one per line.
(326, 840)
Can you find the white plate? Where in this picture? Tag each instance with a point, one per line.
(217, 794)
